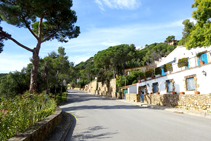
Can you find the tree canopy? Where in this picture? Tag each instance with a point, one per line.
(170, 39)
(53, 70)
(201, 34)
(188, 27)
(45, 19)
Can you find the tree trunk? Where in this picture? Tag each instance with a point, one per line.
(123, 69)
(34, 71)
(114, 75)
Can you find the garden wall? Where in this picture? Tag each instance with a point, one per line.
(40, 130)
(193, 102)
(132, 97)
(104, 90)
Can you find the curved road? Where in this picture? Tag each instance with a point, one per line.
(107, 119)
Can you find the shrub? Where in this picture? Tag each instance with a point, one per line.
(61, 98)
(135, 81)
(168, 67)
(182, 62)
(142, 75)
(158, 71)
(22, 111)
(149, 73)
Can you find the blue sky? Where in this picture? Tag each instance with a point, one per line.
(104, 23)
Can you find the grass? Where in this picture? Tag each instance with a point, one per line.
(23, 111)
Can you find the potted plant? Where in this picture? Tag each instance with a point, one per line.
(149, 73)
(174, 92)
(169, 67)
(197, 92)
(147, 93)
(158, 71)
(158, 93)
(150, 93)
(182, 92)
(183, 63)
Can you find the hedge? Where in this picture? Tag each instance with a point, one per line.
(158, 71)
(168, 67)
(149, 73)
(182, 62)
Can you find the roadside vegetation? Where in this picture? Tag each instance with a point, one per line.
(19, 108)
(22, 111)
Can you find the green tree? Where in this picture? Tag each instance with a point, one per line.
(201, 34)
(170, 39)
(45, 19)
(188, 27)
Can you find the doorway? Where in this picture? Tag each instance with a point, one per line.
(141, 91)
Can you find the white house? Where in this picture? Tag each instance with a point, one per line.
(189, 79)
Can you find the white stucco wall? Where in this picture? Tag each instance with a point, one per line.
(132, 89)
(182, 52)
(202, 80)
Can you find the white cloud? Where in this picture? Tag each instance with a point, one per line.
(100, 4)
(118, 4)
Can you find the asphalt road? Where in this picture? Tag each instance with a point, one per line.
(107, 119)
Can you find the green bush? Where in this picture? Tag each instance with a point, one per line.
(61, 99)
(22, 111)
(158, 71)
(149, 73)
(168, 67)
(135, 81)
(142, 75)
(182, 62)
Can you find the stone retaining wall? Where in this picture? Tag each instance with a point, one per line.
(104, 90)
(132, 97)
(188, 101)
(40, 130)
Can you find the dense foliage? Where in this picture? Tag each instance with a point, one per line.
(149, 73)
(54, 70)
(198, 35)
(22, 111)
(158, 71)
(3, 74)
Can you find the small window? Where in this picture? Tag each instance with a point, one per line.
(190, 84)
(155, 87)
(170, 86)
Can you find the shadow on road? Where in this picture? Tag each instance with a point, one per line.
(90, 134)
(102, 107)
(78, 96)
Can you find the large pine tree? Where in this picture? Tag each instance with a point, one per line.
(45, 19)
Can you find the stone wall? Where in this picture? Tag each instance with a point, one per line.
(40, 130)
(105, 91)
(188, 101)
(92, 86)
(132, 97)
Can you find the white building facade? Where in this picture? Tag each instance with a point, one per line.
(191, 79)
